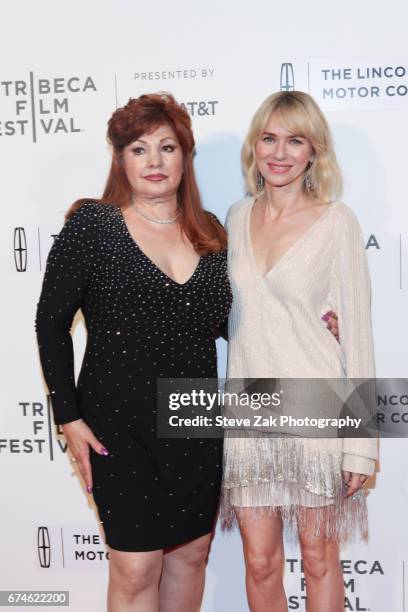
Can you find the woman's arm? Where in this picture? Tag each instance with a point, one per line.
(353, 307)
(66, 278)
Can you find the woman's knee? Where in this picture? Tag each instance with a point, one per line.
(262, 566)
(317, 559)
(133, 576)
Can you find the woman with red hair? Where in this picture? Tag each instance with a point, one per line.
(147, 266)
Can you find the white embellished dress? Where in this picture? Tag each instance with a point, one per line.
(276, 330)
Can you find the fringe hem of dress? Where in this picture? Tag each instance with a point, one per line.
(312, 495)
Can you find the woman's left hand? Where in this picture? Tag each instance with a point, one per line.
(354, 482)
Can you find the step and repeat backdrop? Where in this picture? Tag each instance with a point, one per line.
(61, 76)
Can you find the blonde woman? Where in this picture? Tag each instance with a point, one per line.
(294, 253)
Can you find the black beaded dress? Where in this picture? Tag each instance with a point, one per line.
(151, 492)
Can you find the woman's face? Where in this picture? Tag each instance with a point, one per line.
(154, 164)
(281, 156)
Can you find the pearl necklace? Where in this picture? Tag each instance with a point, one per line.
(152, 219)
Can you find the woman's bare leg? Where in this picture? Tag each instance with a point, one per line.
(182, 582)
(134, 581)
(321, 564)
(264, 560)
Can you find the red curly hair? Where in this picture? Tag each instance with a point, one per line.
(142, 116)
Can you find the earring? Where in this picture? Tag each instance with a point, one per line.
(309, 182)
(260, 181)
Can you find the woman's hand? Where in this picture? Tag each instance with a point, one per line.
(332, 321)
(354, 482)
(79, 438)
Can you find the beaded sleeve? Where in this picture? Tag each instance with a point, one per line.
(67, 275)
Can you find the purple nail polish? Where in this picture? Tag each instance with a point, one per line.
(104, 451)
(325, 317)
(89, 489)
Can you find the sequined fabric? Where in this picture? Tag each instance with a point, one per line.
(276, 330)
(151, 493)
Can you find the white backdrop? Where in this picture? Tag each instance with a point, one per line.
(64, 68)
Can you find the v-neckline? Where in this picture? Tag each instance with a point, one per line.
(299, 240)
(129, 235)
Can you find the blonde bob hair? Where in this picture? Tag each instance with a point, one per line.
(299, 114)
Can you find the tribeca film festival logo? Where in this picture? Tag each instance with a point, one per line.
(70, 547)
(40, 435)
(354, 571)
(41, 106)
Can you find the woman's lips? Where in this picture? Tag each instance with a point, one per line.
(279, 168)
(155, 177)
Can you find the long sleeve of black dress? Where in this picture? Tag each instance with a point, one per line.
(69, 266)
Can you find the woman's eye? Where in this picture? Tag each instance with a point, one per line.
(296, 141)
(267, 139)
(169, 148)
(138, 150)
